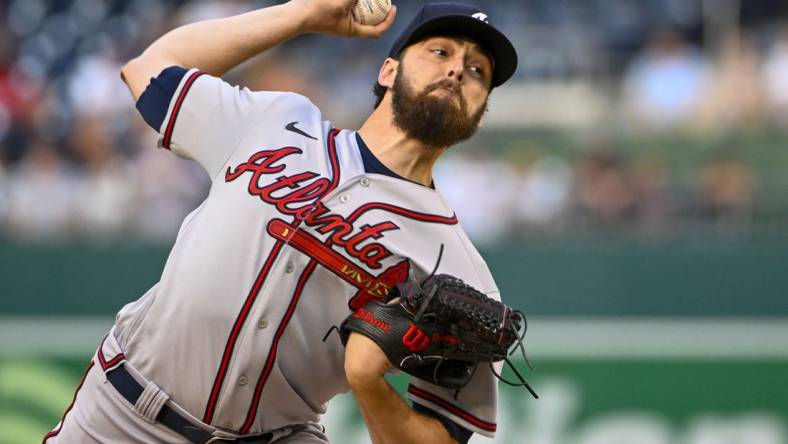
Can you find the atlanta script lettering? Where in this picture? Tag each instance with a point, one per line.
(297, 195)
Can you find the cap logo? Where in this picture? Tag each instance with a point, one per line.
(481, 16)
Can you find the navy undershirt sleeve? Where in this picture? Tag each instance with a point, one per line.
(461, 434)
(155, 100)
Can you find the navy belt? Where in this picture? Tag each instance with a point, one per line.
(130, 389)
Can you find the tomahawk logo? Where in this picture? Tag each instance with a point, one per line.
(481, 16)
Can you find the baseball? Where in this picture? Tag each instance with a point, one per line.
(371, 12)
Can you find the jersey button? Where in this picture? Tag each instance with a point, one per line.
(289, 267)
(242, 380)
(364, 181)
(228, 425)
(344, 198)
(262, 324)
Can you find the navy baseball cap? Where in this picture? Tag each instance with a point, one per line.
(450, 18)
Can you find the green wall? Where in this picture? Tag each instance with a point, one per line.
(632, 279)
(563, 279)
(663, 401)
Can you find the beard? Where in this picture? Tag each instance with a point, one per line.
(433, 120)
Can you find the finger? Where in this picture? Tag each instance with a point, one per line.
(375, 31)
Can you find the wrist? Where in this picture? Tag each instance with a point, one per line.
(304, 14)
(360, 375)
(365, 361)
(365, 382)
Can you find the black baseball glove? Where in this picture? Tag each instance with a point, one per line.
(441, 330)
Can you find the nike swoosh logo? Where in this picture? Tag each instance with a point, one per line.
(292, 127)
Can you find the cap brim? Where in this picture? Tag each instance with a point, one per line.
(492, 40)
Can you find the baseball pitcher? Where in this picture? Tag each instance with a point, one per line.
(309, 229)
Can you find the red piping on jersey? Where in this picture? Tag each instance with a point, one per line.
(332, 155)
(70, 406)
(112, 362)
(239, 322)
(305, 275)
(422, 217)
(218, 382)
(177, 108)
(269, 362)
(484, 425)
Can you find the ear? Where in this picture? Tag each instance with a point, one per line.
(388, 72)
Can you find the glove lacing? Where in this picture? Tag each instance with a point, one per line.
(519, 344)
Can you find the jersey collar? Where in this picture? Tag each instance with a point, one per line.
(373, 165)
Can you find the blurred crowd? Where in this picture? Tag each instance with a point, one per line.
(77, 163)
(596, 195)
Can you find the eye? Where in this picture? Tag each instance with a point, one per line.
(440, 52)
(477, 70)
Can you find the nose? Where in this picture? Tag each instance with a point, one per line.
(456, 70)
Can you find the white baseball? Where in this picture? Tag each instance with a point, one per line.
(371, 12)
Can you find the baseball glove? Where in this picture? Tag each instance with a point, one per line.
(441, 330)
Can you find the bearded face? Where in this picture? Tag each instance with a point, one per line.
(435, 119)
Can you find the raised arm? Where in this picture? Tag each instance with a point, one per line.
(216, 46)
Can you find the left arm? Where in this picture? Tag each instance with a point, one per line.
(388, 417)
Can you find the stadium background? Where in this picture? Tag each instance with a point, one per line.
(628, 190)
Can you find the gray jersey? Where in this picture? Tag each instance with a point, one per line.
(293, 234)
